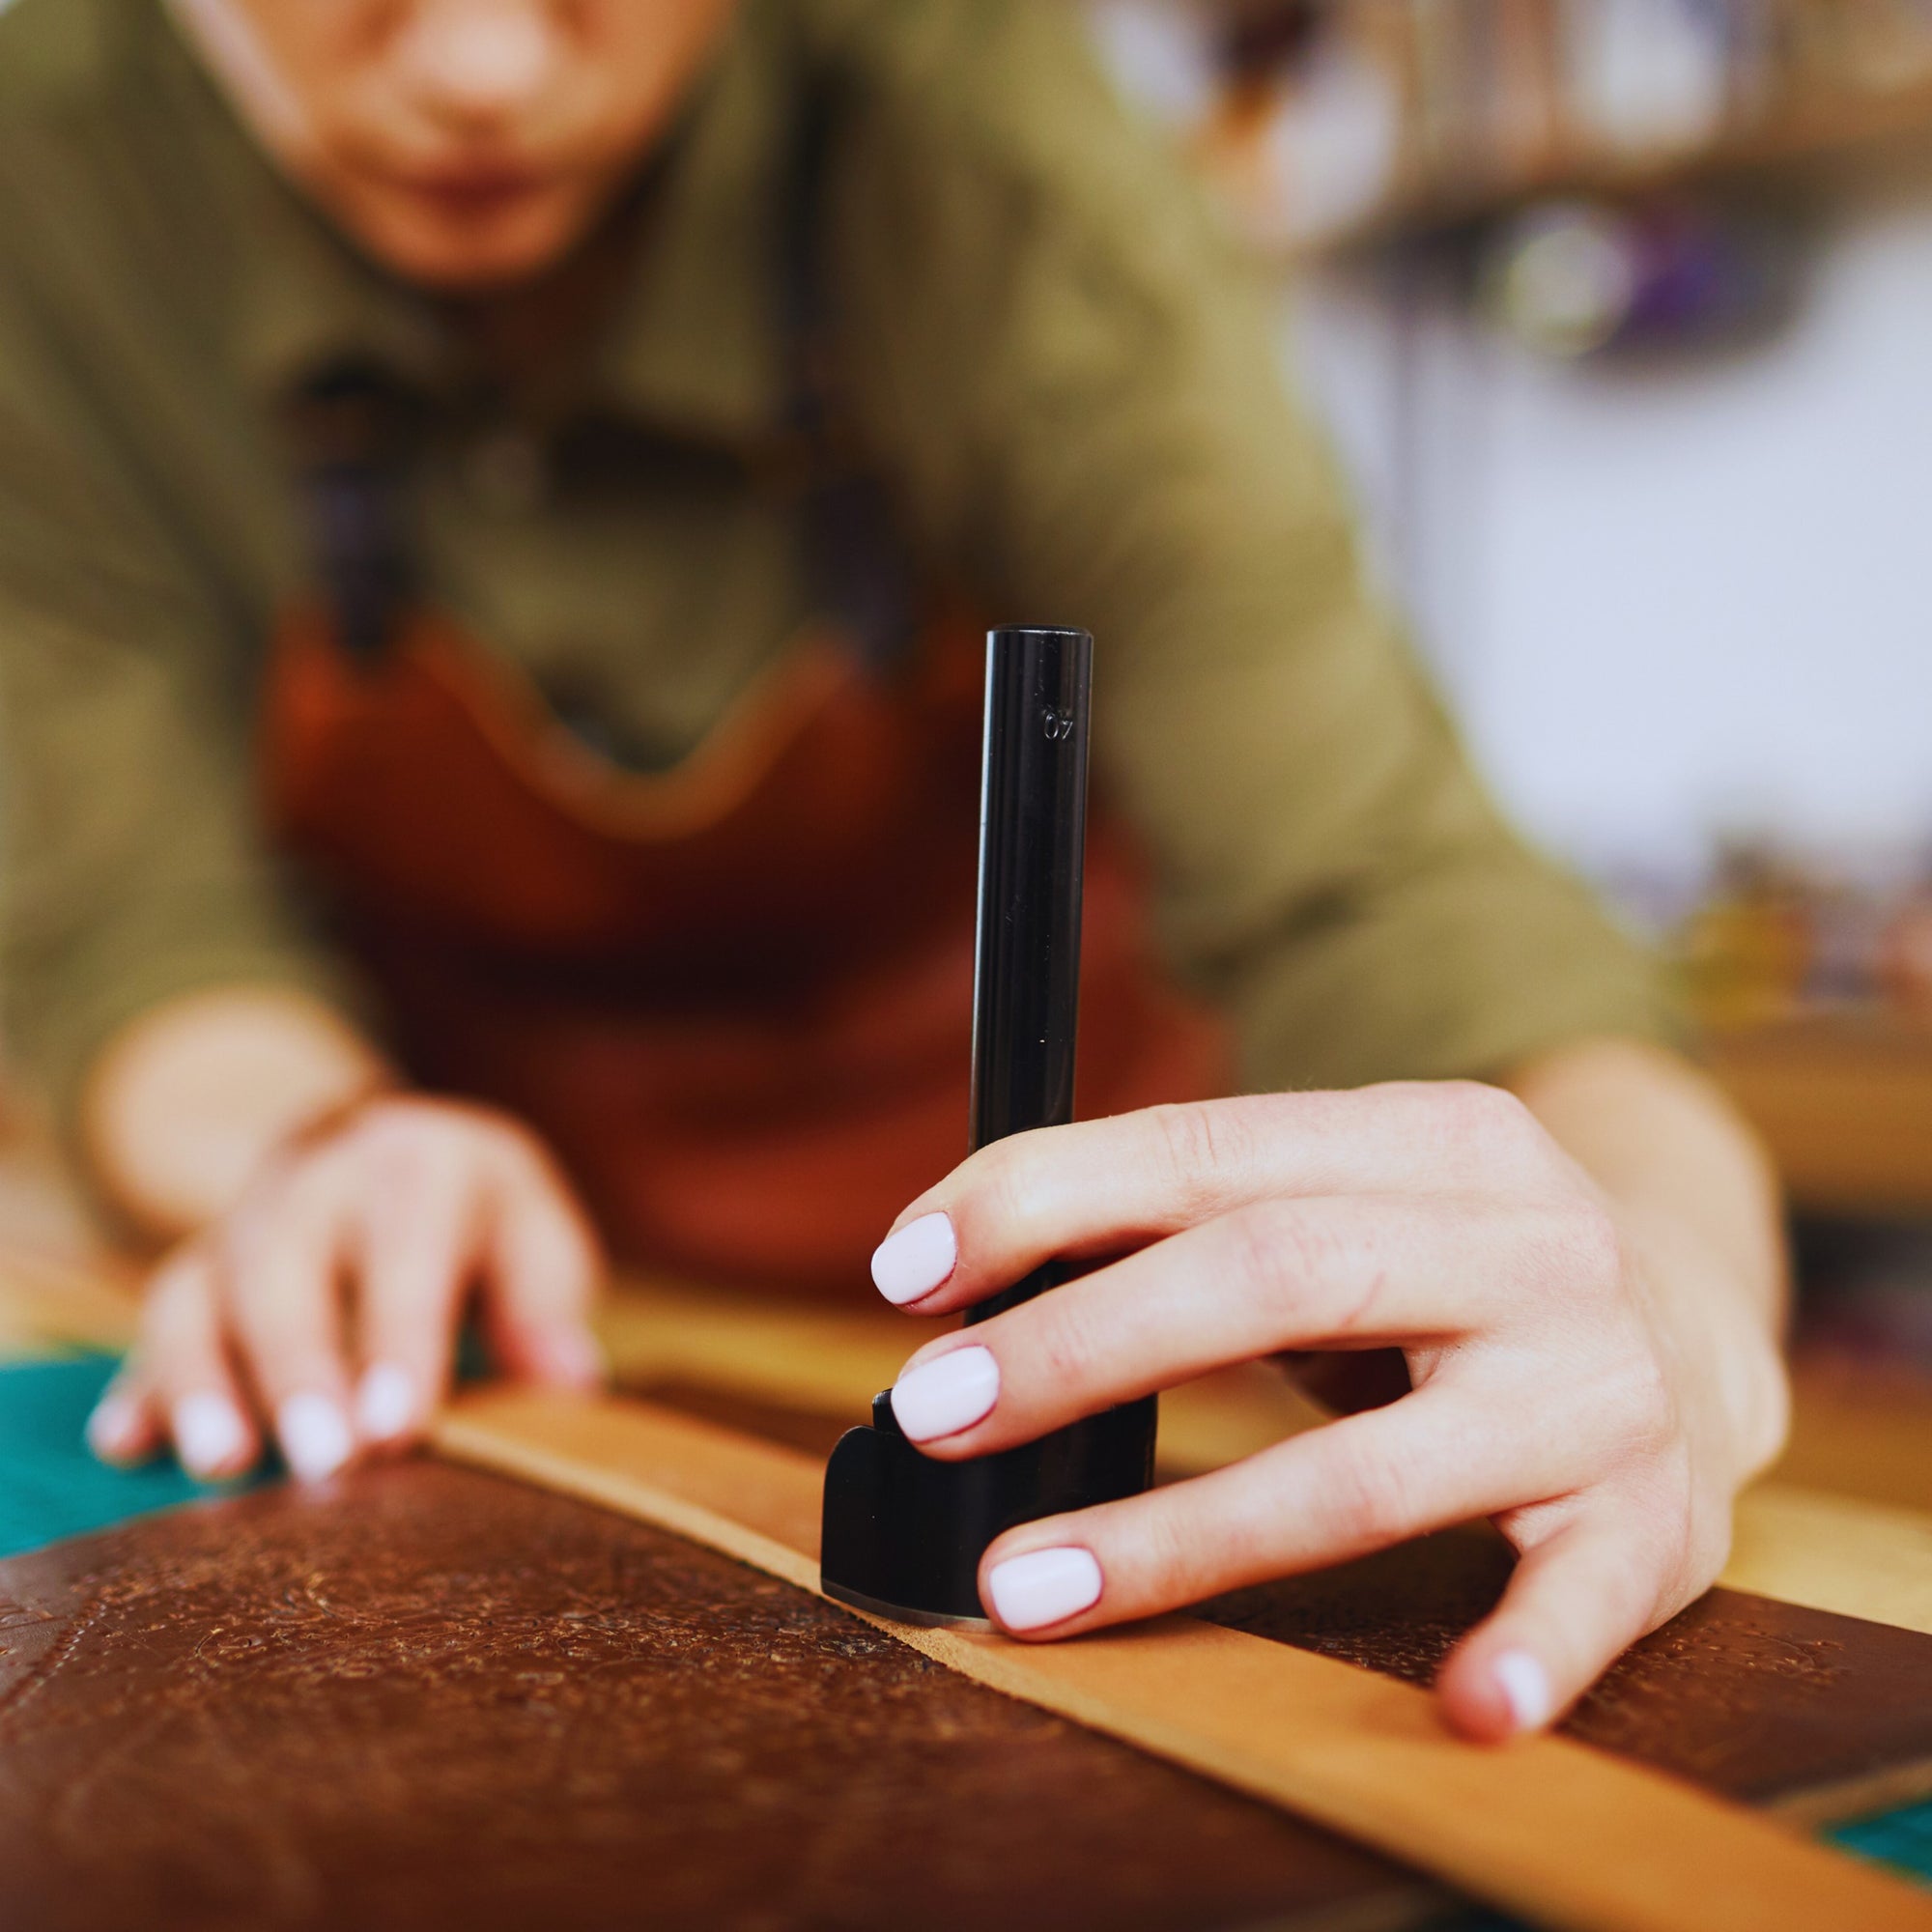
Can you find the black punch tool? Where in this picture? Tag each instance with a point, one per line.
(903, 1534)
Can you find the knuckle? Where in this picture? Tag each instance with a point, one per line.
(174, 1281)
(1576, 1251)
(1594, 1243)
(1643, 1405)
(1626, 1425)
(394, 1120)
(527, 1154)
(401, 1129)
(1197, 1144)
(381, 1127)
(1277, 1246)
(1004, 1197)
(1063, 1353)
(299, 1208)
(1669, 1546)
(1260, 1242)
(1485, 1122)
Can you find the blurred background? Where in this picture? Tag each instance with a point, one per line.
(1618, 312)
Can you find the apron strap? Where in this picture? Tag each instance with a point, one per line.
(862, 569)
(354, 431)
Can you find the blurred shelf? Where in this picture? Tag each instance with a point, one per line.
(1410, 116)
(1844, 1102)
(1813, 131)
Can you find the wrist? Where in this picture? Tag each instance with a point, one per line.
(183, 1106)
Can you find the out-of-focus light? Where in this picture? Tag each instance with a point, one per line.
(1565, 279)
(1571, 278)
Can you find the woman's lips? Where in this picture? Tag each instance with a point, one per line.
(477, 195)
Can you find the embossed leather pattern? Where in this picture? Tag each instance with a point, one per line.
(430, 1698)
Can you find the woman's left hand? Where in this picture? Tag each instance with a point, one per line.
(1593, 1386)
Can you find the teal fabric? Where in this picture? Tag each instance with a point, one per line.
(1899, 1839)
(1902, 1840)
(51, 1488)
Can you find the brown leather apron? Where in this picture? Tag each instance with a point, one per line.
(735, 996)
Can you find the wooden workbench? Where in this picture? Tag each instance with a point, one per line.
(1844, 1102)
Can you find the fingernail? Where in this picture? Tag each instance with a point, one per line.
(110, 1429)
(211, 1438)
(1525, 1688)
(945, 1394)
(313, 1435)
(575, 1359)
(385, 1401)
(915, 1260)
(1045, 1586)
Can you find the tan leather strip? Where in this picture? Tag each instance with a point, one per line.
(1551, 1829)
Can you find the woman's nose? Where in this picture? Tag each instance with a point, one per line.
(479, 60)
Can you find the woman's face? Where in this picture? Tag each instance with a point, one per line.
(466, 144)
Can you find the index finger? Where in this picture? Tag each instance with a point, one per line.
(1107, 1186)
(279, 1274)
(543, 1270)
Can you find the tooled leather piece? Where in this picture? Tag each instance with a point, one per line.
(1764, 1701)
(428, 1698)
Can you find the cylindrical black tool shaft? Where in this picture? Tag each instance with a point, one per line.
(1033, 841)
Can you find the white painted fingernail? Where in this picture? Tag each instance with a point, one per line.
(945, 1394)
(1045, 1586)
(313, 1435)
(210, 1436)
(1525, 1688)
(110, 1429)
(915, 1260)
(385, 1401)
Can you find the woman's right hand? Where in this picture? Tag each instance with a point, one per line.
(322, 1308)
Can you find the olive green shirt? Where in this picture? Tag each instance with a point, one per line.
(1063, 374)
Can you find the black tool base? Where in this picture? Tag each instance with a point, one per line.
(903, 1534)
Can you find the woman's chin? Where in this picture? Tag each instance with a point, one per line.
(468, 249)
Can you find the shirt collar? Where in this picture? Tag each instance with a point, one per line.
(307, 302)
